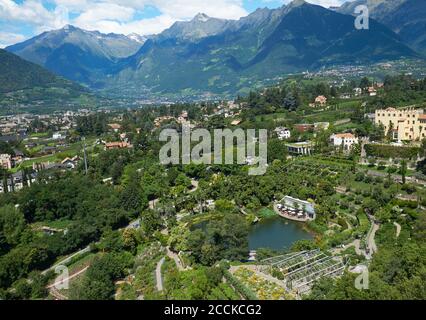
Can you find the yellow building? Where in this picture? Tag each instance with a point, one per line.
(5, 161)
(406, 124)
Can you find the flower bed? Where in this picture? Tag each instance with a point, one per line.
(264, 289)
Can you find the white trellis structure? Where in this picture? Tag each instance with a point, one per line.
(302, 269)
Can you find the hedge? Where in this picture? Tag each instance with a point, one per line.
(388, 151)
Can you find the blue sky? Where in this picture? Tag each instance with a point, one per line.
(22, 19)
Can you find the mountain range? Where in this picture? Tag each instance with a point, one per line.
(78, 54)
(407, 18)
(210, 55)
(28, 87)
(17, 74)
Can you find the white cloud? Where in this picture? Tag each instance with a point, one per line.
(30, 11)
(33, 12)
(186, 9)
(324, 3)
(144, 27)
(74, 6)
(105, 11)
(117, 15)
(8, 38)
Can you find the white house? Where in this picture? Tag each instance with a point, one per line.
(372, 91)
(70, 163)
(58, 136)
(347, 140)
(283, 133)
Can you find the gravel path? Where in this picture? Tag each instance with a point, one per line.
(158, 275)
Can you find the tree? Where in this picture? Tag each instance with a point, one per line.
(403, 170)
(420, 228)
(365, 83)
(276, 150)
(178, 239)
(224, 206)
(6, 148)
(226, 238)
(12, 224)
(290, 102)
(183, 180)
(377, 133)
(98, 282)
(421, 166)
(151, 221)
(132, 197)
(389, 134)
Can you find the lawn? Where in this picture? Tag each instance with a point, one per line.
(272, 116)
(364, 223)
(57, 224)
(70, 151)
(39, 135)
(81, 263)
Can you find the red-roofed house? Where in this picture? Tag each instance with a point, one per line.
(117, 145)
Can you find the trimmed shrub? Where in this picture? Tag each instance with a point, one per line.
(388, 151)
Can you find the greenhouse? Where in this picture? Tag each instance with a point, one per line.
(301, 269)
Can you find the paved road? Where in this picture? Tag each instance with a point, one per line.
(176, 258)
(158, 274)
(371, 243)
(194, 185)
(57, 295)
(82, 251)
(356, 243)
(53, 288)
(134, 224)
(60, 282)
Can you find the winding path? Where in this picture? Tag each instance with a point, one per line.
(176, 258)
(356, 243)
(398, 229)
(67, 260)
(53, 290)
(68, 278)
(371, 243)
(195, 184)
(158, 276)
